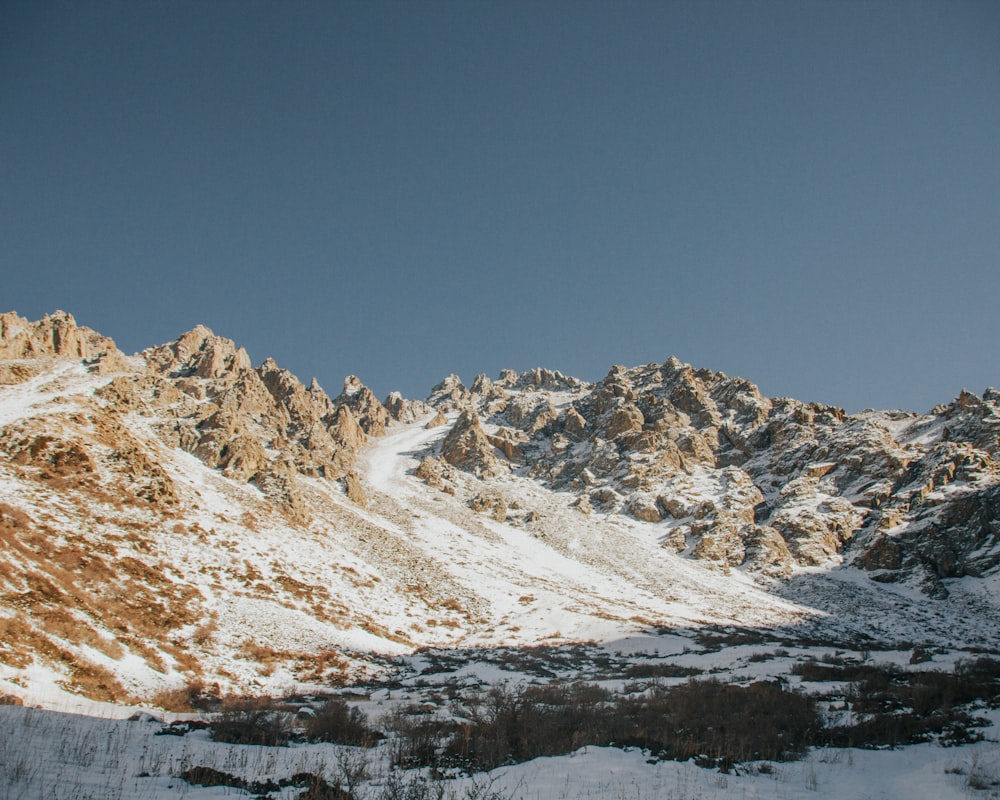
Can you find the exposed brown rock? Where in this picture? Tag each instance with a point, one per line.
(645, 508)
(403, 410)
(467, 447)
(507, 441)
(438, 420)
(355, 489)
(450, 395)
(625, 419)
(574, 424)
(767, 553)
(489, 502)
(370, 414)
(58, 335)
(346, 431)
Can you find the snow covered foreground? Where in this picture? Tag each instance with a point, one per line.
(60, 756)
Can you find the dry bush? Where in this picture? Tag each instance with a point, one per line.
(719, 723)
(193, 696)
(339, 723)
(726, 723)
(317, 668)
(659, 670)
(894, 707)
(251, 721)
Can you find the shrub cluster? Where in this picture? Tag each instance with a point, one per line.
(251, 721)
(714, 722)
(891, 706)
(339, 723)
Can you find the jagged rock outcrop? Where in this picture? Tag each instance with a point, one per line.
(728, 476)
(508, 441)
(738, 479)
(406, 411)
(56, 335)
(256, 425)
(491, 503)
(450, 395)
(371, 415)
(355, 489)
(466, 446)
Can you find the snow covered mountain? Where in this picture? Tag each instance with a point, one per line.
(180, 516)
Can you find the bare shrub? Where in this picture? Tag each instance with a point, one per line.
(894, 707)
(339, 723)
(251, 721)
(723, 723)
(193, 696)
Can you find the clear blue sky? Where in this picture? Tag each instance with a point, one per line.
(806, 194)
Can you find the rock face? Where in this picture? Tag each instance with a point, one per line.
(740, 480)
(256, 425)
(726, 475)
(56, 335)
(466, 446)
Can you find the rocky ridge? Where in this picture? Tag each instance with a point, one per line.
(736, 479)
(181, 514)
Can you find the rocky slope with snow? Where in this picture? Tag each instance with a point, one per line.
(182, 516)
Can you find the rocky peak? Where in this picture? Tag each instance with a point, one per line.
(549, 380)
(199, 353)
(789, 482)
(365, 407)
(450, 395)
(346, 431)
(352, 385)
(56, 334)
(320, 397)
(403, 410)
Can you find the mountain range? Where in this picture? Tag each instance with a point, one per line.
(181, 516)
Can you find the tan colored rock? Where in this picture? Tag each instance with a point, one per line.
(355, 490)
(489, 502)
(720, 542)
(466, 446)
(767, 552)
(606, 498)
(366, 409)
(438, 420)
(675, 539)
(583, 505)
(199, 353)
(508, 442)
(13, 374)
(625, 419)
(574, 424)
(429, 471)
(451, 394)
(645, 508)
(403, 410)
(57, 335)
(530, 412)
(675, 506)
(346, 431)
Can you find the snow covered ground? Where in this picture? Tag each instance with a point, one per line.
(60, 756)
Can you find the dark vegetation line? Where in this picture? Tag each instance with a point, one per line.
(716, 724)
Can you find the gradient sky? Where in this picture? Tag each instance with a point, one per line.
(806, 194)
